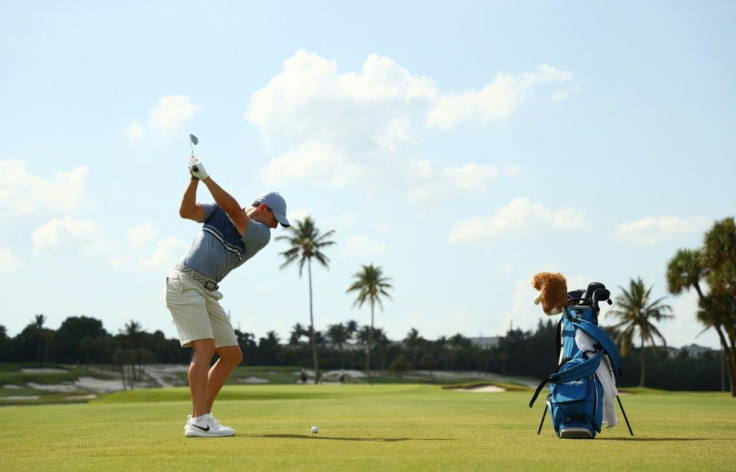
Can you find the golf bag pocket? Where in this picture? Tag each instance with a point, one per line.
(575, 404)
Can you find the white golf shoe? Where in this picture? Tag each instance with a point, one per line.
(206, 427)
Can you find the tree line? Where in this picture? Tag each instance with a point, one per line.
(83, 340)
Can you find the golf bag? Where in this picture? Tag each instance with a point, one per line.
(583, 386)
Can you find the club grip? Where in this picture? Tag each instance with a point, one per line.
(195, 168)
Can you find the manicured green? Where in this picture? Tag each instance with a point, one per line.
(399, 427)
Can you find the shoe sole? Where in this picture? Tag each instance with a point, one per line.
(202, 434)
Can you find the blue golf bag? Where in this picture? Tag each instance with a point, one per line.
(584, 383)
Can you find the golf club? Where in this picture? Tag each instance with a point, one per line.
(193, 142)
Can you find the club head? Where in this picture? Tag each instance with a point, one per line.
(193, 139)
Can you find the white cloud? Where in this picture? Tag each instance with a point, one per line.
(311, 100)
(362, 129)
(651, 231)
(167, 252)
(499, 99)
(433, 184)
(23, 194)
(361, 245)
(312, 160)
(168, 116)
(140, 235)
(521, 217)
(134, 130)
(67, 237)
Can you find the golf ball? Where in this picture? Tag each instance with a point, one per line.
(315, 429)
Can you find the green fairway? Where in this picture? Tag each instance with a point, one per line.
(363, 427)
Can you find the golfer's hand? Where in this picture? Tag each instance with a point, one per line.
(196, 168)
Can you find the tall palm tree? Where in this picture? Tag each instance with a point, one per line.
(637, 312)
(306, 243)
(371, 285)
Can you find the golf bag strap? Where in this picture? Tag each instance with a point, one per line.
(538, 390)
(601, 337)
(580, 371)
(558, 339)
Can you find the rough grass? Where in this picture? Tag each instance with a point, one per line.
(382, 427)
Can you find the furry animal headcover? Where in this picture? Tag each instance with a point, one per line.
(552, 292)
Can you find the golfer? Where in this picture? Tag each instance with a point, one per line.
(229, 236)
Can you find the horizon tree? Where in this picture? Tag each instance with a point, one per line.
(412, 341)
(339, 335)
(307, 243)
(371, 285)
(38, 323)
(297, 331)
(636, 312)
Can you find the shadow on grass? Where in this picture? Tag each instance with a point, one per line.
(328, 438)
(653, 439)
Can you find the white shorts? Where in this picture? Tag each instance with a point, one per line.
(197, 312)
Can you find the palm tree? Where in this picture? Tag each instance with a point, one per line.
(38, 325)
(307, 243)
(352, 328)
(371, 285)
(133, 334)
(636, 312)
(339, 336)
(714, 267)
(719, 256)
(296, 334)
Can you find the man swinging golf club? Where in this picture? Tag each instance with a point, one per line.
(230, 235)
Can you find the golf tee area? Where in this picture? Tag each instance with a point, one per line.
(362, 427)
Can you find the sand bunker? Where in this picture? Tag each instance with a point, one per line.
(483, 389)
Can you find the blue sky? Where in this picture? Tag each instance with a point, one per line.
(462, 146)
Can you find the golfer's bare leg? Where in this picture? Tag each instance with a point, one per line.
(230, 358)
(204, 350)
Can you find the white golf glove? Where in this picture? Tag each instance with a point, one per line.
(197, 169)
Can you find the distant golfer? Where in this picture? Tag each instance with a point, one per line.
(229, 236)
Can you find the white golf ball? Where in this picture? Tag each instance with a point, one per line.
(315, 430)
